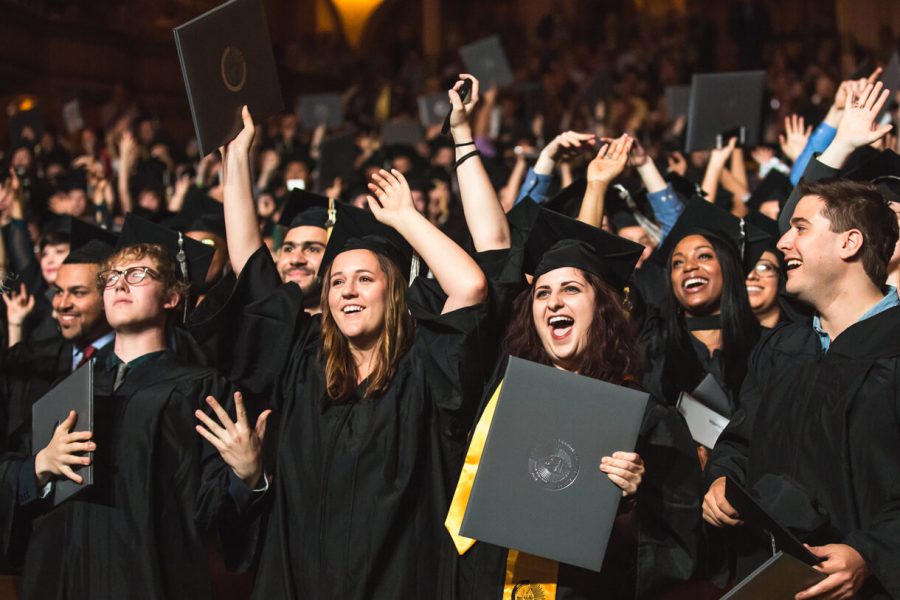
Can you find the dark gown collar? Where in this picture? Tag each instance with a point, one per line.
(706, 323)
(872, 338)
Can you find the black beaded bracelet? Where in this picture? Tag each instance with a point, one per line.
(466, 157)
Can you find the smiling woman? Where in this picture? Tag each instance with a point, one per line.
(705, 324)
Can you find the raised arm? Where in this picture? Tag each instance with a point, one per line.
(717, 160)
(858, 126)
(455, 271)
(606, 166)
(240, 210)
(483, 211)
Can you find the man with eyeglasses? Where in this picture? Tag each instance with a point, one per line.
(138, 531)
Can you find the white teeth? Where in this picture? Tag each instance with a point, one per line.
(794, 263)
(352, 309)
(754, 288)
(694, 281)
(560, 319)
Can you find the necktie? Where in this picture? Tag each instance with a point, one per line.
(87, 355)
(526, 575)
(120, 375)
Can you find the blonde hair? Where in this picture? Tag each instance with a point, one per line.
(169, 273)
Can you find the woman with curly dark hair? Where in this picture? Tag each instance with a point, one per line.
(572, 317)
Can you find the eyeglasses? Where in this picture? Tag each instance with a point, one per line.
(133, 276)
(766, 269)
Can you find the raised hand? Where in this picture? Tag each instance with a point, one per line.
(625, 469)
(638, 157)
(796, 134)
(239, 445)
(858, 127)
(461, 113)
(568, 145)
(240, 145)
(610, 160)
(59, 456)
(391, 201)
(18, 306)
(719, 156)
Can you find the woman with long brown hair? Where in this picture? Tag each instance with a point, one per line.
(372, 400)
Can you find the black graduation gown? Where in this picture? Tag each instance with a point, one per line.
(360, 488)
(830, 421)
(654, 541)
(673, 369)
(137, 532)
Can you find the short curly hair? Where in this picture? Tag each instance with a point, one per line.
(169, 273)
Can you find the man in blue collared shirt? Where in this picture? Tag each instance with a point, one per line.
(819, 403)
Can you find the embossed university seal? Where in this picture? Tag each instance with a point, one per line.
(528, 591)
(234, 69)
(553, 464)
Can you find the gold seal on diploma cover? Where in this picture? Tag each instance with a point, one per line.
(234, 69)
(528, 591)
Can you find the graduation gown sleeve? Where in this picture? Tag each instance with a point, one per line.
(248, 337)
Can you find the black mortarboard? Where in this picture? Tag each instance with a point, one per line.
(336, 157)
(567, 201)
(678, 101)
(622, 219)
(76, 180)
(227, 62)
(89, 243)
(486, 61)
(192, 258)
(721, 104)
(358, 229)
(557, 241)
(702, 217)
(433, 108)
(774, 186)
(304, 209)
(875, 164)
(320, 109)
(683, 186)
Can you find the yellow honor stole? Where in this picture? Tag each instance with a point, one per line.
(527, 576)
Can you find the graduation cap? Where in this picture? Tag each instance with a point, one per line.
(774, 186)
(622, 219)
(703, 218)
(320, 109)
(486, 61)
(433, 108)
(882, 169)
(89, 244)
(557, 241)
(226, 60)
(678, 100)
(725, 105)
(683, 186)
(305, 209)
(336, 156)
(192, 257)
(358, 229)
